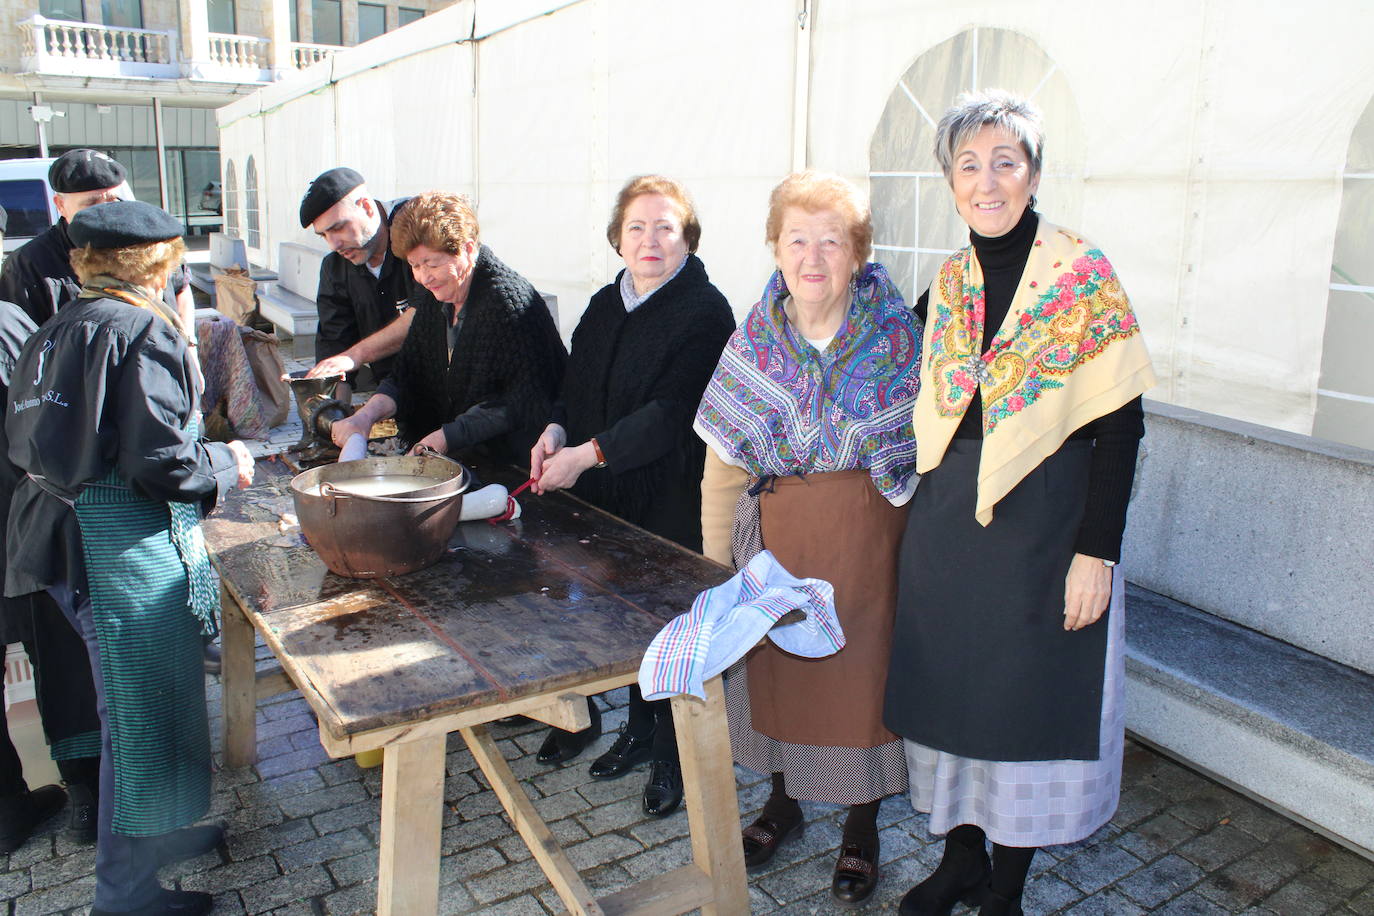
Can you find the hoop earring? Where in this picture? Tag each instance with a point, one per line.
(1032, 201)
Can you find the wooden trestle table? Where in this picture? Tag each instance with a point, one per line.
(525, 617)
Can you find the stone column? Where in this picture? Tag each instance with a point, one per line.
(279, 30)
(195, 36)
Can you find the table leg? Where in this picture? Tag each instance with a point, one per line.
(708, 777)
(412, 815)
(238, 680)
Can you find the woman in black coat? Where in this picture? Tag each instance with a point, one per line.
(621, 436)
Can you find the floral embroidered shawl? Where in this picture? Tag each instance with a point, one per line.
(776, 406)
(1068, 352)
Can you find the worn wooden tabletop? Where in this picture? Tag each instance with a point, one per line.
(563, 595)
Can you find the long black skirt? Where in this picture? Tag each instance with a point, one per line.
(981, 664)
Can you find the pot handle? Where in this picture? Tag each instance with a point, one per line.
(332, 492)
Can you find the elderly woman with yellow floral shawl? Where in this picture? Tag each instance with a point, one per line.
(1006, 676)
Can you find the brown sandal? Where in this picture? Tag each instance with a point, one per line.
(763, 837)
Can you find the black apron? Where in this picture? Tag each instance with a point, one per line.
(981, 664)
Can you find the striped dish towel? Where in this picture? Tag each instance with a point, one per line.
(727, 621)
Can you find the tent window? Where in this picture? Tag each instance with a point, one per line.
(250, 204)
(231, 200)
(1345, 387)
(915, 225)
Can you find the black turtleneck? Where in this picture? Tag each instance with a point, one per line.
(1115, 437)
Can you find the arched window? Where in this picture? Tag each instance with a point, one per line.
(250, 204)
(915, 225)
(1345, 388)
(231, 200)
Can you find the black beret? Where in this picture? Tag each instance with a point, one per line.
(326, 191)
(84, 170)
(121, 223)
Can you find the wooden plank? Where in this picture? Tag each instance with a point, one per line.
(708, 778)
(341, 744)
(272, 682)
(412, 813)
(551, 858)
(240, 698)
(568, 712)
(679, 891)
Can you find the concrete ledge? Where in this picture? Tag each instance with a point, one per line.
(1294, 729)
(293, 315)
(1266, 528)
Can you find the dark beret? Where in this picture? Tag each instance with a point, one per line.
(121, 223)
(84, 170)
(326, 191)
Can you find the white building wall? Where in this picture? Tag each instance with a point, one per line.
(1212, 164)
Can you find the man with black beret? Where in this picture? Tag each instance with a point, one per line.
(102, 418)
(79, 178)
(364, 289)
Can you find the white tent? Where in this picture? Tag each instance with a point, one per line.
(1202, 145)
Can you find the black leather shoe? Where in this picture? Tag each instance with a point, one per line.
(167, 903)
(663, 792)
(81, 818)
(560, 746)
(763, 837)
(961, 876)
(21, 814)
(856, 872)
(189, 842)
(628, 751)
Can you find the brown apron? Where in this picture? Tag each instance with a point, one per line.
(837, 527)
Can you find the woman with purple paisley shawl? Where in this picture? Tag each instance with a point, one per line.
(1007, 654)
(808, 423)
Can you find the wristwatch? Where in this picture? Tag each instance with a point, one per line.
(600, 455)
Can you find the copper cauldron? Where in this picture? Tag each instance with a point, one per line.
(366, 535)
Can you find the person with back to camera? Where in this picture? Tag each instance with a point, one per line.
(102, 420)
(1005, 679)
(622, 435)
(809, 415)
(481, 362)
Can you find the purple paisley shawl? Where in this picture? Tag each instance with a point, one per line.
(776, 406)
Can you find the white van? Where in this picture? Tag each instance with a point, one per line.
(27, 199)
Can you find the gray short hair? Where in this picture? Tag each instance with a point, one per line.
(973, 111)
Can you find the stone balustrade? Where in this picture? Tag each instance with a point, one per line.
(242, 51)
(87, 49)
(305, 55)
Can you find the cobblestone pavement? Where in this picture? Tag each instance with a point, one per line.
(303, 841)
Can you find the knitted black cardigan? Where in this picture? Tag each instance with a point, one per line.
(634, 382)
(508, 355)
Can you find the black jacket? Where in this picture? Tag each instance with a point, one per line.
(507, 363)
(39, 275)
(633, 383)
(104, 385)
(354, 304)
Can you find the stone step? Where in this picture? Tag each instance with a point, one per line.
(1289, 727)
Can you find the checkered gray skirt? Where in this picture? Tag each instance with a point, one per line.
(1035, 803)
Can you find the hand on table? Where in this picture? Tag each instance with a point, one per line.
(244, 459)
(549, 443)
(562, 469)
(337, 365)
(435, 440)
(1087, 591)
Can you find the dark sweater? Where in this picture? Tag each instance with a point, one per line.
(633, 383)
(1115, 436)
(508, 360)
